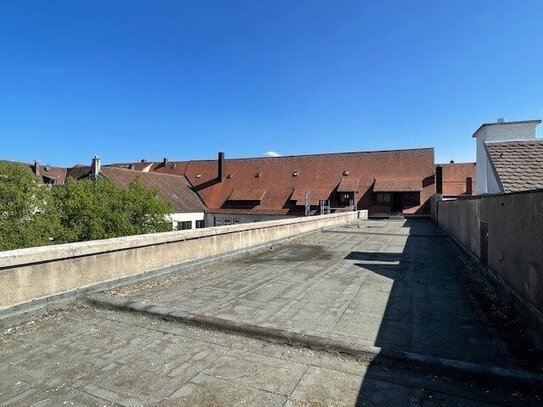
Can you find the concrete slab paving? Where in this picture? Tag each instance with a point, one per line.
(374, 283)
(97, 357)
(397, 285)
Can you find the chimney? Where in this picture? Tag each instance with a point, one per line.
(165, 161)
(500, 130)
(439, 180)
(37, 168)
(469, 186)
(95, 168)
(220, 167)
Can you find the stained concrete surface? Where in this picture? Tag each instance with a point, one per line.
(397, 285)
(390, 284)
(94, 357)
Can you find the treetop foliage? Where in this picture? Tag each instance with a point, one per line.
(33, 214)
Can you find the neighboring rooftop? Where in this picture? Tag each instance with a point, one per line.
(45, 174)
(171, 188)
(282, 182)
(458, 179)
(518, 164)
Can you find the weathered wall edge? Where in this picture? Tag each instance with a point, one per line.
(40, 277)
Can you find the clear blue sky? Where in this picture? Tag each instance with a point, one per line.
(184, 79)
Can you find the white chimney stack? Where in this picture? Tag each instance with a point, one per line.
(496, 132)
(95, 168)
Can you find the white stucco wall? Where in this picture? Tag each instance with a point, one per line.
(233, 219)
(492, 182)
(185, 217)
(507, 131)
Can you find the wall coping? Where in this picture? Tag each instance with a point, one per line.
(499, 194)
(42, 254)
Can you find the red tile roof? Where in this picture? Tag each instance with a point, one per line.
(313, 195)
(456, 179)
(320, 174)
(46, 172)
(171, 188)
(518, 164)
(246, 194)
(348, 185)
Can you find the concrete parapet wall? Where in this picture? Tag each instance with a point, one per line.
(515, 239)
(28, 275)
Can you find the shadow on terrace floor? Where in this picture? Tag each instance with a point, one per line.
(437, 307)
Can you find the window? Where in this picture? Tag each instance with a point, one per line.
(236, 221)
(411, 198)
(345, 197)
(184, 225)
(383, 197)
(200, 224)
(228, 221)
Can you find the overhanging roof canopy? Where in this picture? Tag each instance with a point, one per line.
(247, 195)
(315, 195)
(397, 185)
(348, 185)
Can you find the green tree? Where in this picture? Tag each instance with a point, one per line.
(147, 213)
(28, 214)
(92, 210)
(33, 214)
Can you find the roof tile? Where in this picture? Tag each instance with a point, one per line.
(519, 164)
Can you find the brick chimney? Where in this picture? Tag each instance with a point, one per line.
(439, 179)
(36, 168)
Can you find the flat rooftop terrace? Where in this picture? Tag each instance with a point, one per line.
(369, 313)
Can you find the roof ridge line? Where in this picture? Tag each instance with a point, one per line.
(143, 172)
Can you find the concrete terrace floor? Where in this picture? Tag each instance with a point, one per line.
(395, 285)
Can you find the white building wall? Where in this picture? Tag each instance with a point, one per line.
(507, 131)
(492, 182)
(481, 168)
(234, 219)
(186, 217)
